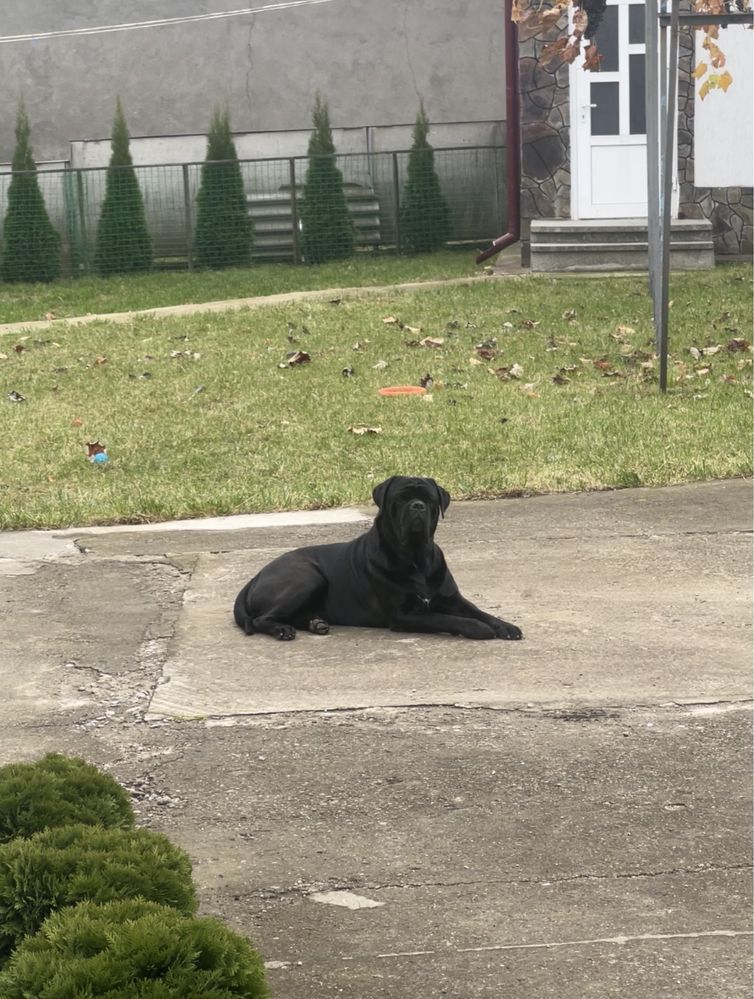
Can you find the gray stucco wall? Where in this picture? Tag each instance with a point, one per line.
(372, 59)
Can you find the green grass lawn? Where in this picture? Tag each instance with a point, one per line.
(19, 302)
(224, 429)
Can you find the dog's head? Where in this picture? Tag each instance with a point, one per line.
(409, 510)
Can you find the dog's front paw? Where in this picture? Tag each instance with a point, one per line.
(477, 630)
(507, 631)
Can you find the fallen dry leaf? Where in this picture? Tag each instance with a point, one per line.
(16, 397)
(528, 390)
(3, 357)
(78, 422)
(613, 374)
(49, 315)
(602, 364)
(297, 357)
(737, 343)
(391, 321)
(432, 341)
(100, 360)
(569, 315)
(729, 379)
(380, 365)
(486, 353)
(508, 372)
(561, 379)
(348, 372)
(361, 431)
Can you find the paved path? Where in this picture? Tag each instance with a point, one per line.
(508, 265)
(566, 816)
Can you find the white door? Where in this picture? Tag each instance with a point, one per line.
(608, 134)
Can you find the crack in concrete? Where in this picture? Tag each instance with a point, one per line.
(565, 711)
(304, 890)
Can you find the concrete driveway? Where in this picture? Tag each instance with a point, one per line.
(402, 816)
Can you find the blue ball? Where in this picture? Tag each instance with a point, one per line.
(100, 458)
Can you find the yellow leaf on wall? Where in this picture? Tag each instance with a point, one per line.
(725, 80)
(704, 89)
(700, 70)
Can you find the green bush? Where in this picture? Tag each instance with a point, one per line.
(123, 243)
(425, 218)
(132, 950)
(56, 791)
(224, 228)
(327, 228)
(61, 867)
(31, 246)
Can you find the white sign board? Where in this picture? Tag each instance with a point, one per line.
(724, 120)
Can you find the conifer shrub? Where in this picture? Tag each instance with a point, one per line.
(425, 217)
(133, 950)
(56, 791)
(123, 243)
(327, 227)
(31, 244)
(224, 228)
(60, 867)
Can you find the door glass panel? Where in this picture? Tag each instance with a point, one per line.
(636, 92)
(606, 37)
(636, 24)
(606, 112)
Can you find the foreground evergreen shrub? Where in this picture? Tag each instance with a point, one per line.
(328, 232)
(132, 950)
(223, 225)
(425, 218)
(31, 246)
(56, 791)
(61, 867)
(123, 243)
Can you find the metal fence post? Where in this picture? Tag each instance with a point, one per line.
(294, 210)
(187, 216)
(82, 221)
(397, 202)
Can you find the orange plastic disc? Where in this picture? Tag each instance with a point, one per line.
(402, 390)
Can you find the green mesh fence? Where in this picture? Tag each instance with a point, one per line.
(278, 209)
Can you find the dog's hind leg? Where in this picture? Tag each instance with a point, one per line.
(281, 601)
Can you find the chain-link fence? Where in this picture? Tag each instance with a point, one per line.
(269, 208)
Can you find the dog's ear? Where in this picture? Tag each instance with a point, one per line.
(443, 497)
(379, 494)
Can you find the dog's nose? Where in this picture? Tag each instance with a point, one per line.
(417, 506)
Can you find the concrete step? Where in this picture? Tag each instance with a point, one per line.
(616, 244)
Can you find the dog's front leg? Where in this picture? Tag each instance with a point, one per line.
(433, 622)
(457, 605)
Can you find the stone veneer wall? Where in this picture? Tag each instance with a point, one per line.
(545, 134)
(729, 208)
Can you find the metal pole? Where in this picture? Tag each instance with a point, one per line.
(669, 131)
(653, 146)
(82, 221)
(397, 202)
(187, 216)
(294, 210)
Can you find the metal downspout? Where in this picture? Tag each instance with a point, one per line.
(512, 142)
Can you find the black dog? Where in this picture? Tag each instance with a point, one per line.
(394, 576)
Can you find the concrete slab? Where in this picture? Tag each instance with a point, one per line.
(611, 618)
(513, 854)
